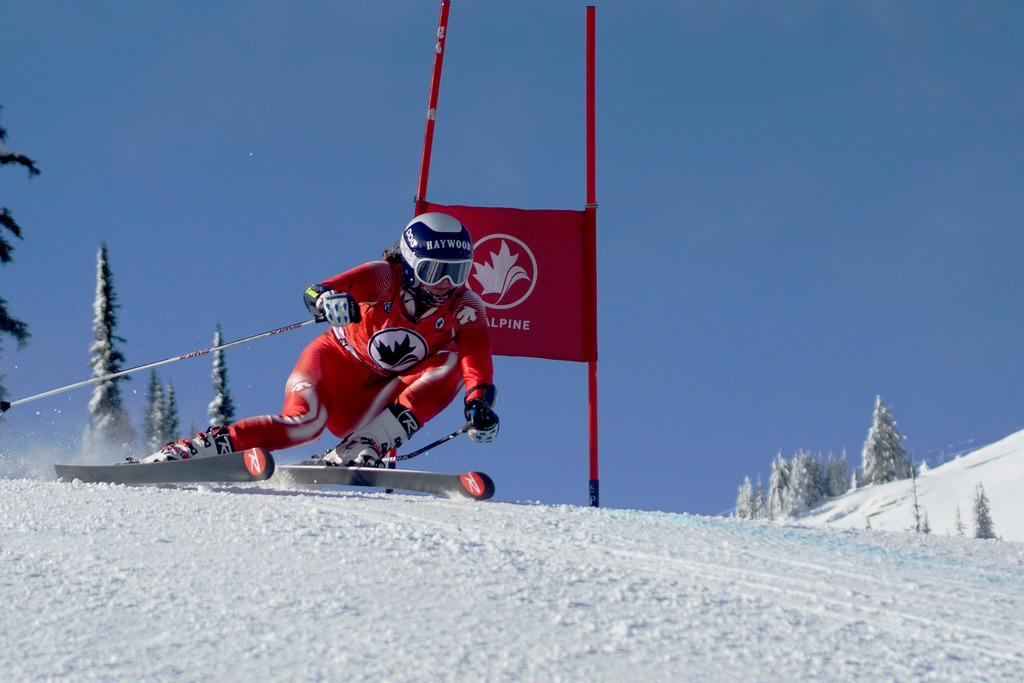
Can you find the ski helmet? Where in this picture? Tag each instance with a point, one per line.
(435, 247)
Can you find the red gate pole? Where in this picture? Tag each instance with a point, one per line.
(590, 257)
(435, 86)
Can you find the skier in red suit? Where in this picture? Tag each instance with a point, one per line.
(406, 334)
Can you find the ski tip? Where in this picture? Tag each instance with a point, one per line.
(477, 485)
(259, 463)
(4, 406)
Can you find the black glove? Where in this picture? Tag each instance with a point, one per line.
(484, 421)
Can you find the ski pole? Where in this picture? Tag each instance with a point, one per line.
(408, 456)
(5, 405)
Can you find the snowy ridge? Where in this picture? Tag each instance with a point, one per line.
(999, 467)
(262, 583)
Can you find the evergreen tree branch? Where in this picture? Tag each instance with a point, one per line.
(20, 159)
(13, 326)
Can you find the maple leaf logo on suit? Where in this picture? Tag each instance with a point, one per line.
(396, 348)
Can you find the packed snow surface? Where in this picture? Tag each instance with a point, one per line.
(266, 583)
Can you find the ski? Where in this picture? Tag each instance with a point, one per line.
(257, 464)
(253, 464)
(475, 485)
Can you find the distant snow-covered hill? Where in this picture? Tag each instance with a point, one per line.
(941, 491)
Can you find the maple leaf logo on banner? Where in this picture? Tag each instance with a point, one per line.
(499, 275)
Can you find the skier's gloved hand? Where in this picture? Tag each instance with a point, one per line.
(484, 421)
(337, 308)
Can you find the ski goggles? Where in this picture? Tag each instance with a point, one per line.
(432, 272)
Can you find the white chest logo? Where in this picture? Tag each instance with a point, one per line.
(466, 314)
(396, 349)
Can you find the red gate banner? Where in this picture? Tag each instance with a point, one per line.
(528, 267)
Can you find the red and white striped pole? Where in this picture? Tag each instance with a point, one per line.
(435, 86)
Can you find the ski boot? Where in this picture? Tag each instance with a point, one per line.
(214, 441)
(368, 444)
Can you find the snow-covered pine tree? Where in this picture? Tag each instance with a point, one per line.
(884, 457)
(800, 484)
(858, 478)
(837, 475)
(171, 424)
(221, 410)
(161, 414)
(779, 503)
(109, 426)
(156, 407)
(983, 527)
(958, 524)
(760, 504)
(817, 484)
(807, 485)
(745, 500)
(920, 514)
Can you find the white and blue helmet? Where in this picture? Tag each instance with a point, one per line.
(435, 247)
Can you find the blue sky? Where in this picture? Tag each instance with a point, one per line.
(801, 205)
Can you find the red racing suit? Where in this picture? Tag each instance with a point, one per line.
(346, 376)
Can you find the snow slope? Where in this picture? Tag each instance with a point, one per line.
(262, 583)
(941, 491)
